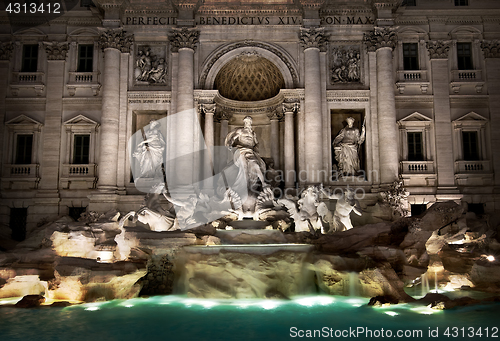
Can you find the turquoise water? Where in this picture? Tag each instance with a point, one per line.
(180, 318)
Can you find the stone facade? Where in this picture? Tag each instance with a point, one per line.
(424, 79)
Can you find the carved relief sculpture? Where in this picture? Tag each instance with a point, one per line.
(345, 65)
(150, 68)
(346, 145)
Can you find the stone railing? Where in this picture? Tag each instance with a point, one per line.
(83, 77)
(28, 77)
(472, 166)
(26, 171)
(412, 76)
(79, 170)
(417, 167)
(466, 75)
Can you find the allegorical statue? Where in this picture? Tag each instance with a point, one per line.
(346, 146)
(149, 153)
(246, 157)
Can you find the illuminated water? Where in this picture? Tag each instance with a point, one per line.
(180, 318)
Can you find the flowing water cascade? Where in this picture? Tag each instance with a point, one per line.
(424, 284)
(354, 286)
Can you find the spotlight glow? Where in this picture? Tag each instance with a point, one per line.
(92, 308)
(268, 305)
(490, 258)
(391, 313)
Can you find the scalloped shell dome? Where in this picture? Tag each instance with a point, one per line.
(249, 77)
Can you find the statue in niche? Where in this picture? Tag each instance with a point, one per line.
(149, 68)
(251, 167)
(345, 66)
(149, 152)
(346, 146)
(340, 219)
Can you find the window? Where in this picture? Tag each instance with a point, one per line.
(470, 145)
(30, 58)
(81, 149)
(415, 146)
(409, 2)
(24, 148)
(17, 223)
(410, 56)
(461, 2)
(85, 58)
(417, 209)
(464, 56)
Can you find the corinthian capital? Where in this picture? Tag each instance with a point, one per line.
(56, 51)
(491, 48)
(291, 107)
(379, 38)
(223, 115)
(313, 37)
(208, 108)
(6, 50)
(184, 38)
(438, 49)
(116, 39)
(275, 115)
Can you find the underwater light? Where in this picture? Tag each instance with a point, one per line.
(490, 258)
(391, 313)
(314, 300)
(92, 308)
(268, 305)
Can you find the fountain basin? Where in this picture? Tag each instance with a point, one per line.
(248, 224)
(261, 249)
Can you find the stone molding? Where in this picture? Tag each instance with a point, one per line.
(248, 43)
(380, 38)
(56, 51)
(491, 48)
(438, 49)
(313, 38)
(184, 38)
(116, 39)
(6, 49)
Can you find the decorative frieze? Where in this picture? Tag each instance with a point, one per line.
(345, 65)
(184, 38)
(313, 37)
(6, 50)
(438, 49)
(116, 39)
(379, 38)
(491, 48)
(56, 51)
(150, 66)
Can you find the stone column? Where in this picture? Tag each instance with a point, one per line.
(383, 41)
(184, 42)
(112, 42)
(275, 117)
(5, 55)
(312, 40)
(209, 111)
(438, 52)
(223, 118)
(290, 177)
(491, 50)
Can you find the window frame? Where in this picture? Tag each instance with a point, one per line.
(15, 160)
(80, 125)
(34, 60)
